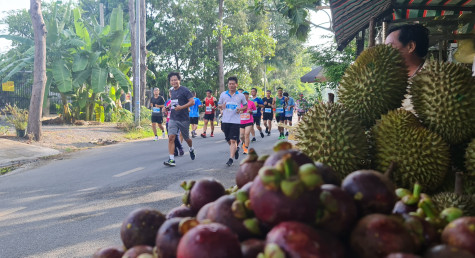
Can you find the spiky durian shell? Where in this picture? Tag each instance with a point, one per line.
(374, 84)
(330, 134)
(448, 184)
(420, 155)
(470, 158)
(443, 95)
(447, 199)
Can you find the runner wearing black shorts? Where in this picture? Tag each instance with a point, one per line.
(210, 107)
(268, 113)
(256, 114)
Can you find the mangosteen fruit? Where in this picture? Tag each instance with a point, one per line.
(232, 213)
(180, 212)
(203, 213)
(252, 247)
(447, 251)
(328, 175)
(299, 157)
(212, 240)
(142, 251)
(460, 233)
(338, 213)
(424, 233)
(401, 208)
(300, 240)
(249, 168)
(372, 191)
(202, 192)
(168, 237)
(377, 235)
(140, 227)
(109, 252)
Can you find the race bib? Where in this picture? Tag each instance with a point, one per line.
(245, 116)
(209, 109)
(174, 103)
(155, 110)
(254, 111)
(267, 110)
(279, 110)
(231, 106)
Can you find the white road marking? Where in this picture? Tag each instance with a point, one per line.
(129, 172)
(10, 211)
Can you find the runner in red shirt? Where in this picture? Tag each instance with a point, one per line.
(210, 108)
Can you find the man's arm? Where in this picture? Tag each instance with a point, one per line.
(190, 103)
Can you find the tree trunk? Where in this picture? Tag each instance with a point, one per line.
(39, 71)
(220, 48)
(143, 52)
(132, 22)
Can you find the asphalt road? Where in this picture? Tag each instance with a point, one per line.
(71, 207)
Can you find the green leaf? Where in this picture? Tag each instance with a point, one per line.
(24, 62)
(19, 39)
(116, 39)
(74, 43)
(117, 19)
(80, 63)
(81, 30)
(112, 93)
(81, 77)
(120, 78)
(98, 79)
(62, 76)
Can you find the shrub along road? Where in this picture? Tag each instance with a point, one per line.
(71, 207)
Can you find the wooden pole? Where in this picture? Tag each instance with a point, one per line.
(372, 30)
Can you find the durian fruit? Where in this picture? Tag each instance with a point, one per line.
(331, 134)
(374, 84)
(447, 199)
(443, 95)
(419, 154)
(468, 182)
(470, 158)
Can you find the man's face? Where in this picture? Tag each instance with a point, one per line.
(232, 85)
(156, 92)
(247, 96)
(393, 40)
(208, 94)
(253, 92)
(279, 92)
(174, 81)
(268, 94)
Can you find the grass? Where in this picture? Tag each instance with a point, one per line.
(147, 132)
(5, 170)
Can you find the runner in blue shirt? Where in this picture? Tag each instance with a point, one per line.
(289, 110)
(194, 115)
(279, 111)
(257, 113)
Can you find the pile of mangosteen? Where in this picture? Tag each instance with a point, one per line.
(285, 205)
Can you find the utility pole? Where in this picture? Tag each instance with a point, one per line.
(101, 14)
(137, 64)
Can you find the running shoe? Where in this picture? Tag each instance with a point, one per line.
(182, 152)
(212, 135)
(244, 150)
(175, 153)
(253, 139)
(203, 135)
(193, 134)
(267, 130)
(287, 134)
(192, 154)
(230, 162)
(236, 154)
(156, 138)
(163, 135)
(262, 135)
(170, 163)
(268, 134)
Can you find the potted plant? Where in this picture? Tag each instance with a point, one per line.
(17, 117)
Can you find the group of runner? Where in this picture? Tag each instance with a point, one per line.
(240, 109)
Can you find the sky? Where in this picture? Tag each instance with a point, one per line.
(314, 37)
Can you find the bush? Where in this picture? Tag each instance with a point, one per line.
(16, 116)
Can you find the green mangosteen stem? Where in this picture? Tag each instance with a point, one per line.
(309, 176)
(410, 199)
(417, 191)
(270, 177)
(242, 196)
(263, 158)
(289, 166)
(428, 207)
(273, 251)
(331, 204)
(451, 214)
(239, 210)
(401, 192)
(282, 145)
(322, 216)
(186, 197)
(292, 187)
(186, 224)
(252, 225)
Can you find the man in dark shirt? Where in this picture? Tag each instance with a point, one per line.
(268, 112)
(181, 100)
(156, 104)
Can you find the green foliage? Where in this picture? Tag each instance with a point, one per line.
(333, 62)
(16, 116)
